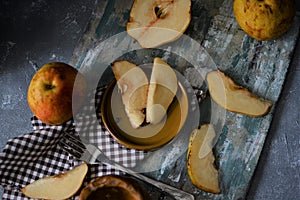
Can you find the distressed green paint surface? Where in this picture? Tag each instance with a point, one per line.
(261, 66)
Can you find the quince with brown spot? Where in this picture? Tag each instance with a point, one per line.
(264, 19)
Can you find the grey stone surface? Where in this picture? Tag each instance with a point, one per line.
(33, 33)
(37, 32)
(277, 174)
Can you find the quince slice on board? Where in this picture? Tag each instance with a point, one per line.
(162, 89)
(200, 160)
(133, 84)
(235, 98)
(61, 186)
(156, 22)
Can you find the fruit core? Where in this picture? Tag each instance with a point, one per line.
(160, 12)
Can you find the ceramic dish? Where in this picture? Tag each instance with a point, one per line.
(148, 136)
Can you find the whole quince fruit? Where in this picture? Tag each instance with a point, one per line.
(264, 19)
(53, 95)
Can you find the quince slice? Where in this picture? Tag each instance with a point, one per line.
(156, 22)
(162, 89)
(233, 97)
(61, 186)
(133, 84)
(200, 160)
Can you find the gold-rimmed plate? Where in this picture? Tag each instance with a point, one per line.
(148, 136)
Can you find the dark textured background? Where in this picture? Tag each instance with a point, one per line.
(35, 32)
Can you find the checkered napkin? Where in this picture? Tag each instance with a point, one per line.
(34, 155)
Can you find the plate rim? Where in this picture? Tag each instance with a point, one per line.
(132, 145)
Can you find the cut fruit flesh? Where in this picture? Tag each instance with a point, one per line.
(200, 160)
(162, 89)
(133, 84)
(156, 22)
(235, 98)
(61, 186)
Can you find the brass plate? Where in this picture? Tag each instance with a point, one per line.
(148, 136)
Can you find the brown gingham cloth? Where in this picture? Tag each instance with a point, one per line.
(34, 155)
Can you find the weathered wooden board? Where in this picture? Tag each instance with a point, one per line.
(260, 66)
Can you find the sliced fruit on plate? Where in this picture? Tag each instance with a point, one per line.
(235, 98)
(133, 84)
(200, 160)
(162, 89)
(61, 186)
(156, 22)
